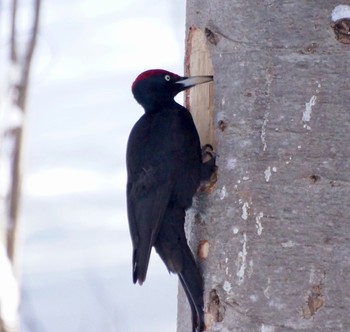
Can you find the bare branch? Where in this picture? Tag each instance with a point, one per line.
(13, 40)
(28, 57)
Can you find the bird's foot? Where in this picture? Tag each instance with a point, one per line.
(207, 152)
(208, 167)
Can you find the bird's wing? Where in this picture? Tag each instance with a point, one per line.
(147, 199)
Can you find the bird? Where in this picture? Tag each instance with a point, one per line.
(165, 167)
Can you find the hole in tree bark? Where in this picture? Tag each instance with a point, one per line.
(314, 178)
(212, 38)
(222, 125)
(215, 308)
(341, 30)
(314, 302)
(200, 100)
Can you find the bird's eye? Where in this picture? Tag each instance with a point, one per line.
(167, 77)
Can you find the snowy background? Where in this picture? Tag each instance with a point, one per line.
(75, 253)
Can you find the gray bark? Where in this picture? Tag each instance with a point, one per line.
(277, 221)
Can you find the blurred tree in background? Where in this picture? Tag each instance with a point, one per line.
(18, 45)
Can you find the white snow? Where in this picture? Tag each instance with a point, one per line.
(227, 286)
(251, 268)
(223, 193)
(340, 12)
(263, 131)
(9, 294)
(267, 328)
(312, 277)
(267, 174)
(253, 298)
(231, 163)
(288, 244)
(242, 259)
(259, 227)
(245, 209)
(267, 289)
(308, 109)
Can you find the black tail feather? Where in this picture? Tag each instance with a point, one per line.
(192, 284)
(173, 249)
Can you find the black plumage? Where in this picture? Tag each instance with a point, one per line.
(164, 165)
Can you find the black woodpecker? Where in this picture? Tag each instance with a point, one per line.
(165, 168)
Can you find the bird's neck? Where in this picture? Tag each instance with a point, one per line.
(163, 107)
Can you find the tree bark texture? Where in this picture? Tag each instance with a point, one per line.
(276, 223)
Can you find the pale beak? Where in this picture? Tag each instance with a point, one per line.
(188, 82)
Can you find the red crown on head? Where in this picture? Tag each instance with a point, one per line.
(152, 72)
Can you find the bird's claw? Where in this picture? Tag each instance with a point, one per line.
(207, 150)
(208, 165)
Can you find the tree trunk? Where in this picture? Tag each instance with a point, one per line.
(23, 63)
(277, 220)
(12, 113)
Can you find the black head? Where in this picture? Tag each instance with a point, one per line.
(155, 89)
